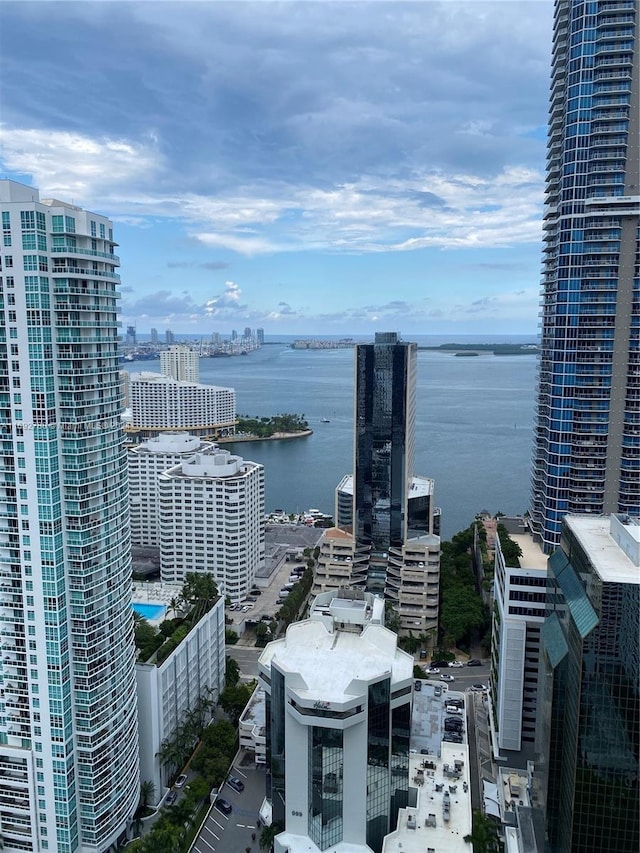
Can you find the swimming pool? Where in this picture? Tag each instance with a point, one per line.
(149, 611)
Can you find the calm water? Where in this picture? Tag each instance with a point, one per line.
(474, 425)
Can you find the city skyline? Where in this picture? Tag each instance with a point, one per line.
(267, 167)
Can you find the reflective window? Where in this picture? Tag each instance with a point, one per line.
(325, 786)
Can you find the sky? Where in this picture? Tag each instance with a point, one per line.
(304, 167)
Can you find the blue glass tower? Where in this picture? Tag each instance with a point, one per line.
(587, 444)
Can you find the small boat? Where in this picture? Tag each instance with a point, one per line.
(325, 421)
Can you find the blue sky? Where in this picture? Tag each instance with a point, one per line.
(307, 167)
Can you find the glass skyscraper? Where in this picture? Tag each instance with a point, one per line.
(384, 446)
(587, 445)
(588, 727)
(69, 777)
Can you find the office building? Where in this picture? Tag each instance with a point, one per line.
(189, 680)
(211, 519)
(154, 336)
(159, 403)
(338, 717)
(589, 694)
(587, 440)
(519, 593)
(180, 362)
(69, 774)
(169, 337)
(146, 462)
(388, 511)
(260, 336)
(130, 338)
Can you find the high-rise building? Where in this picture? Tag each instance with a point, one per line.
(147, 461)
(180, 362)
(169, 337)
(589, 694)
(131, 336)
(394, 546)
(260, 336)
(69, 776)
(159, 403)
(338, 717)
(154, 336)
(587, 444)
(211, 519)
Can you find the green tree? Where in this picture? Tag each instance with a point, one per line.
(231, 672)
(147, 790)
(268, 834)
(484, 834)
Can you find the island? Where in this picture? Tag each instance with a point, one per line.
(263, 428)
(495, 349)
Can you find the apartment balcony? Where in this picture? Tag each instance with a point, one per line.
(91, 253)
(85, 273)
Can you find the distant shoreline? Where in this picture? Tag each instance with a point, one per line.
(277, 436)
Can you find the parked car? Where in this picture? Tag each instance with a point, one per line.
(417, 685)
(433, 671)
(479, 687)
(171, 797)
(455, 664)
(439, 663)
(236, 784)
(182, 778)
(423, 654)
(446, 677)
(453, 709)
(474, 662)
(224, 806)
(452, 737)
(437, 690)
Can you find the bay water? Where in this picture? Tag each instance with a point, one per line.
(473, 434)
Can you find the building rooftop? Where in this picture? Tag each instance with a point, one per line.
(441, 816)
(533, 557)
(607, 551)
(174, 443)
(161, 379)
(255, 713)
(330, 662)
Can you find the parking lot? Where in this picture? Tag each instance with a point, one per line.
(232, 833)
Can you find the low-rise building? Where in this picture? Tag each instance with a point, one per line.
(252, 725)
(189, 679)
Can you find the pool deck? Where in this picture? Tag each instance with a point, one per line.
(156, 593)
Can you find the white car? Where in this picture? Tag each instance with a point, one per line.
(433, 671)
(445, 677)
(455, 664)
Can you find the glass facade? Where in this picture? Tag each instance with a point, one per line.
(378, 760)
(275, 712)
(400, 733)
(589, 700)
(587, 441)
(385, 418)
(326, 762)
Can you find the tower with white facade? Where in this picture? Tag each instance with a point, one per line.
(211, 519)
(147, 461)
(338, 719)
(160, 403)
(180, 362)
(68, 721)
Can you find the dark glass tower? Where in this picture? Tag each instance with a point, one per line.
(384, 446)
(587, 445)
(588, 727)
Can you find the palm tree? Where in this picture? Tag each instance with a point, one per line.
(484, 834)
(147, 790)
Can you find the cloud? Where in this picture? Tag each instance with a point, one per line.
(263, 128)
(207, 265)
(229, 299)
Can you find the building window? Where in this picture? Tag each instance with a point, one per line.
(326, 759)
